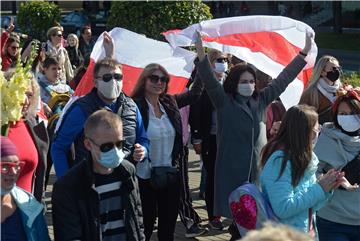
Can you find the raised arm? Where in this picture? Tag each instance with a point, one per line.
(278, 85)
(108, 44)
(206, 74)
(190, 96)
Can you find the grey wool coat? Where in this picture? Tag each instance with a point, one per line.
(239, 129)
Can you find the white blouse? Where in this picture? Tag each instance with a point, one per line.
(161, 134)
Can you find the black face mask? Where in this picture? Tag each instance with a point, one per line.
(333, 75)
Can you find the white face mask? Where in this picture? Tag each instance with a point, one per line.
(110, 89)
(221, 67)
(349, 123)
(246, 89)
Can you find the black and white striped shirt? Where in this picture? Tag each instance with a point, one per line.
(111, 208)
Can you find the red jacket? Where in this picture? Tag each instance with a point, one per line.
(6, 60)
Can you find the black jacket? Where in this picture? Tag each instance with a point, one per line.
(91, 103)
(75, 204)
(172, 104)
(41, 140)
(200, 119)
(75, 56)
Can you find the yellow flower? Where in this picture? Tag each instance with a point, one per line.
(12, 95)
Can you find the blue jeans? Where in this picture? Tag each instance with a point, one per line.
(331, 231)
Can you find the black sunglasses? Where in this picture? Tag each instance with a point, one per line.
(221, 60)
(105, 147)
(155, 79)
(59, 35)
(108, 77)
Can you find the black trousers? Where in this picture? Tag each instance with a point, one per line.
(187, 212)
(163, 204)
(208, 157)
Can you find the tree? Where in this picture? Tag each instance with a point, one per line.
(36, 17)
(152, 18)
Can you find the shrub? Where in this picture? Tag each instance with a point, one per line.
(152, 18)
(352, 79)
(36, 17)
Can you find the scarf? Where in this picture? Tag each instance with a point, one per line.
(329, 91)
(335, 147)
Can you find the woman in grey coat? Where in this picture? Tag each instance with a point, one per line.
(239, 113)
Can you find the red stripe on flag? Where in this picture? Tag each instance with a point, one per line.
(130, 77)
(271, 44)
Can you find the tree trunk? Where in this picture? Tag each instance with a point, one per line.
(337, 16)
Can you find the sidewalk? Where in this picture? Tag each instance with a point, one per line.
(199, 205)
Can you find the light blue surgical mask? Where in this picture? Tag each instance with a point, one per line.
(112, 158)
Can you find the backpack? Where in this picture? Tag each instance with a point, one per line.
(249, 208)
(56, 103)
(248, 205)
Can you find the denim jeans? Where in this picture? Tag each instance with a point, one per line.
(331, 231)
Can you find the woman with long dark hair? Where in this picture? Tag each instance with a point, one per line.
(160, 191)
(239, 112)
(289, 166)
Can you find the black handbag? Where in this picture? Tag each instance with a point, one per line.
(162, 177)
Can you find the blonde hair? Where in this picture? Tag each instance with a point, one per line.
(35, 99)
(53, 30)
(75, 37)
(310, 96)
(276, 232)
(213, 54)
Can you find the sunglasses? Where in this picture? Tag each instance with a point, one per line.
(105, 147)
(221, 60)
(155, 79)
(108, 77)
(14, 47)
(59, 35)
(7, 166)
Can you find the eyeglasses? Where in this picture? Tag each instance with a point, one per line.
(7, 166)
(58, 35)
(108, 77)
(221, 60)
(155, 79)
(14, 47)
(105, 147)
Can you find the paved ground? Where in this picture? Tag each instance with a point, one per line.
(199, 205)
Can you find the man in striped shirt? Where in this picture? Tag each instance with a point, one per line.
(99, 198)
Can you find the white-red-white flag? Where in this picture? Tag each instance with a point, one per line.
(267, 42)
(134, 52)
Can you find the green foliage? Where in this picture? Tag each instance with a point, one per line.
(352, 79)
(36, 17)
(153, 17)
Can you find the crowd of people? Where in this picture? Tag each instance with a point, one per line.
(121, 161)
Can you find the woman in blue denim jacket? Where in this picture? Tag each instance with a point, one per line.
(21, 214)
(289, 165)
